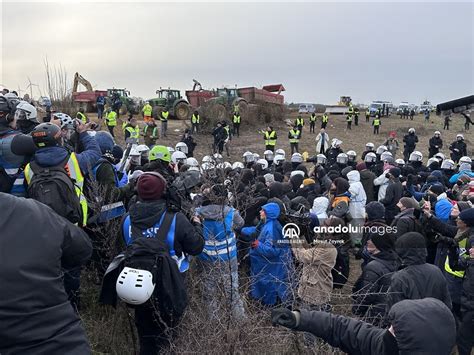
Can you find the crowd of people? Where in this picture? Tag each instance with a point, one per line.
(410, 223)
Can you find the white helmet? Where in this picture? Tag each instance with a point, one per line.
(171, 150)
(192, 162)
(263, 163)
(206, 166)
(256, 156)
(411, 130)
(297, 172)
(335, 143)
(448, 164)
(237, 165)
(400, 162)
(278, 159)
(370, 145)
(141, 149)
(134, 286)
(385, 155)
(321, 159)
(218, 158)
(178, 157)
(431, 161)
(25, 111)
(182, 147)
(66, 120)
(416, 156)
(280, 152)
(465, 159)
(351, 155)
(459, 136)
(439, 156)
(296, 158)
(342, 158)
(248, 157)
(268, 154)
(370, 158)
(226, 165)
(381, 149)
(206, 159)
(437, 133)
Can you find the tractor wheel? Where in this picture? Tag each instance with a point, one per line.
(123, 110)
(181, 111)
(243, 109)
(217, 111)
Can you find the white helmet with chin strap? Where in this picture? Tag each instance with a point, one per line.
(134, 286)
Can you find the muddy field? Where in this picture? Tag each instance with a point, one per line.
(251, 140)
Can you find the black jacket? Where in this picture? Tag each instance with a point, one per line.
(410, 141)
(457, 262)
(406, 222)
(367, 178)
(416, 279)
(435, 145)
(370, 290)
(421, 326)
(458, 149)
(188, 238)
(36, 316)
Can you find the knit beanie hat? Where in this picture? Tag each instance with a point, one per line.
(375, 210)
(361, 166)
(395, 172)
(437, 189)
(151, 186)
(467, 216)
(409, 202)
(383, 241)
(307, 182)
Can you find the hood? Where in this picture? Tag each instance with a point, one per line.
(386, 255)
(272, 210)
(213, 212)
(424, 326)
(320, 205)
(50, 156)
(353, 176)
(276, 189)
(342, 185)
(411, 248)
(144, 215)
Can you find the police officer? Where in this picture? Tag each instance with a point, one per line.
(164, 121)
(111, 120)
(299, 123)
(324, 120)
(132, 132)
(270, 137)
(236, 124)
(312, 122)
(376, 124)
(195, 120)
(294, 137)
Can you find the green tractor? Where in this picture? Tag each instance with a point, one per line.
(171, 99)
(121, 102)
(226, 102)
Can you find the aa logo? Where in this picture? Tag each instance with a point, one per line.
(291, 231)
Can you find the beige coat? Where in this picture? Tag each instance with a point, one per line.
(315, 285)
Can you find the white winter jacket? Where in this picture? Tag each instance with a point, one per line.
(358, 196)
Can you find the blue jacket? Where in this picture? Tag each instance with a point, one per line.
(270, 262)
(455, 177)
(51, 156)
(419, 195)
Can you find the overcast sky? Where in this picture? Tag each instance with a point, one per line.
(318, 51)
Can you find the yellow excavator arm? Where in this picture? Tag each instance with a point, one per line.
(79, 79)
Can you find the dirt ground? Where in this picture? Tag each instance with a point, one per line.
(251, 140)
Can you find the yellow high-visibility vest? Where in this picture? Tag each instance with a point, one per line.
(447, 268)
(236, 118)
(295, 136)
(164, 115)
(82, 117)
(312, 118)
(349, 118)
(325, 118)
(153, 133)
(270, 138)
(195, 118)
(376, 122)
(74, 172)
(111, 119)
(134, 132)
(147, 110)
(300, 122)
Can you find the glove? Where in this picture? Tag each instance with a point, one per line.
(254, 244)
(285, 318)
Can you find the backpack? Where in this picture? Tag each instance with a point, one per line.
(53, 187)
(150, 251)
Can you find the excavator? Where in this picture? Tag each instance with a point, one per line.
(85, 99)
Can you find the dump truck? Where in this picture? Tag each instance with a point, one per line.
(221, 103)
(85, 99)
(172, 100)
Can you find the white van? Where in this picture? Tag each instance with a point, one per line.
(306, 108)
